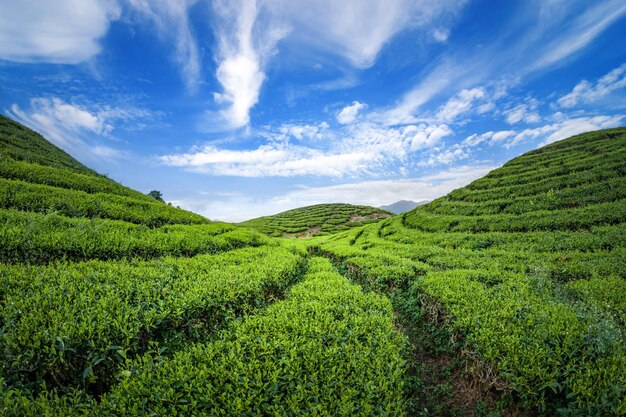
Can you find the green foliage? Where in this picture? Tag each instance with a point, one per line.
(328, 350)
(74, 324)
(114, 304)
(62, 178)
(526, 265)
(319, 219)
(20, 143)
(39, 238)
(25, 196)
(156, 195)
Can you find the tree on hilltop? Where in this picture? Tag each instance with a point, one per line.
(156, 195)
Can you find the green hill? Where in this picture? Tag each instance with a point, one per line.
(520, 276)
(112, 303)
(38, 177)
(505, 297)
(318, 219)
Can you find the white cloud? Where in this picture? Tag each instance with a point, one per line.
(441, 35)
(245, 42)
(56, 114)
(73, 127)
(171, 19)
(460, 104)
(358, 29)
(425, 136)
(430, 86)
(563, 128)
(270, 160)
(581, 30)
(60, 31)
(446, 156)
(300, 132)
(349, 113)
(237, 208)
(526, 112)
(586, 92)
(358, 149)
(248, 33)
(491, 66)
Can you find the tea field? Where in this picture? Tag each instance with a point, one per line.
(522, 271)
(505, 297)
(317, 220)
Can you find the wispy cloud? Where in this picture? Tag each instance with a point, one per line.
(446, 155)
(562, 128)
(356, 30)
(359, 149)
(460, 104)
(171, 19)
(526, 112)
(586, 92)
(60, 31)
(581, 29)
(244, 45)
(75, 128)
(492, 67)
(374, 193)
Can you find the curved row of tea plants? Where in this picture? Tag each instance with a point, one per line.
(41, 238)
(329, 350)
(24, 196)
(537, 293)
(62, 178)
(318, 219)
(20, 143)
(73, 324)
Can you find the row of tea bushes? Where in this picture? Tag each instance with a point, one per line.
(24, 196)
(72, 324)
(40, 238)
(62, 178)
(329, 349)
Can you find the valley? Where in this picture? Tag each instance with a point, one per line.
(504, 297)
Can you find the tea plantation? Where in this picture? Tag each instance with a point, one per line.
(524, 273)
(114, 303)
(317, 220)
(506, 297)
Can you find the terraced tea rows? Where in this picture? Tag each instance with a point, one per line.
(526, 266)
(107, 295)
(73, 324)
(317, 220)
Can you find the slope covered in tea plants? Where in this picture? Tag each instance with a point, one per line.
(113, 303)
(523, 270)
(314, 220)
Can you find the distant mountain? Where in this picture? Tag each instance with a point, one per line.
(319, 219)
(403, 206)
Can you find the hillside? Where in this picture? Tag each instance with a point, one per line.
(403, 206)
(112, 303)
(38, 177)
(505, 297)
(314, 220)
(512, 289)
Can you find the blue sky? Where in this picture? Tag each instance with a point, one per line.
(236, 109)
